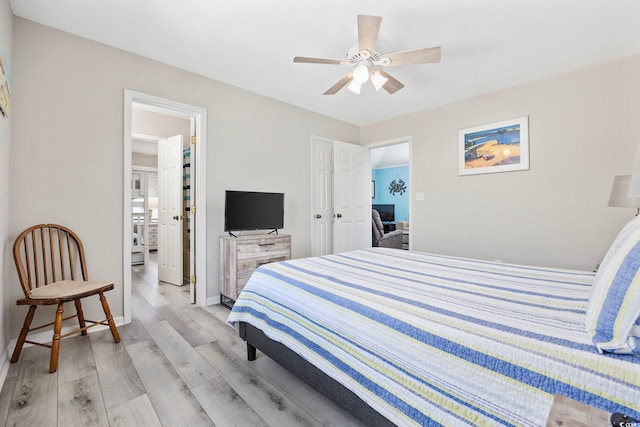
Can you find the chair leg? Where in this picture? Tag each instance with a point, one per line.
(81, 321)
(55, 344)
(107, 312)
(23, 334)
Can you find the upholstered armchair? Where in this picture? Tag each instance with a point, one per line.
(379, 238)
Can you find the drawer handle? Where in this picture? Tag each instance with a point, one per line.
(266, 244)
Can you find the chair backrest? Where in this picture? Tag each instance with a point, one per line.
(48, 253)
(377, 229)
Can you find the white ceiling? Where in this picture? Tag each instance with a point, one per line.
(486, 45)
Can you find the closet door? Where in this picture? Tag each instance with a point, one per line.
(351, 197)
(322, 195)
(341, 197)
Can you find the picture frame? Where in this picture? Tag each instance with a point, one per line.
(373, 189)
(495, 147)
(5, 85)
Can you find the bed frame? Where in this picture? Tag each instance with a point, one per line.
(327, 386)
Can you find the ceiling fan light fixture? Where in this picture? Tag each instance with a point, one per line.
(355, 86)
(378, 79)
(361, 73)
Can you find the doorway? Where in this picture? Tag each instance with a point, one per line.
(192, 220)
(390, 183)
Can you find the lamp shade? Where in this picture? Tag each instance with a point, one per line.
(361, 74)
(355, 87)
(634, 186)
(619, 196)
(378, 79)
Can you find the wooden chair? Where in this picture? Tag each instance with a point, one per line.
(52, 270)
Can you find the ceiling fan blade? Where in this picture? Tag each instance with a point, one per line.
(392, 85)
(419, 56)
(304, 59)
(341, 83)
(368, 27)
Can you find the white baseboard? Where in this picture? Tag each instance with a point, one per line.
(4, 367)
(215, 300)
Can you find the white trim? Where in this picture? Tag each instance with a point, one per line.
(388, 142)
(214, 300)
(4, 366)
(200, 194)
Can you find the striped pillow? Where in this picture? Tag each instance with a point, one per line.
(613, 312)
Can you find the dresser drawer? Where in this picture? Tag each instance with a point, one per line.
(247, 266)
(263, 246)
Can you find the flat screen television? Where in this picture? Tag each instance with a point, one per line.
(252, 210)
(387, 212)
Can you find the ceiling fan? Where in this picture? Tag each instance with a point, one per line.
(367, 64)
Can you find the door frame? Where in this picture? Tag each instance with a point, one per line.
(396, 141)
(199, 178)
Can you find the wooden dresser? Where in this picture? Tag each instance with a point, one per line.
(240, 256)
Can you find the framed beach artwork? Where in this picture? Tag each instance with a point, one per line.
(5, 85)
(495, 147)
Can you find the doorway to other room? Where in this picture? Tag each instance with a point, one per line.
(164, 237)
(390, 186)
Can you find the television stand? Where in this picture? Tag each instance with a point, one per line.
(389, 226)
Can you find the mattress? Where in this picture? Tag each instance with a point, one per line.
(436, 340)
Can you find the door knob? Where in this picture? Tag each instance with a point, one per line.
(176, 217)
(339, 216)
(318, 216)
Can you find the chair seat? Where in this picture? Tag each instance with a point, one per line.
(69, 288)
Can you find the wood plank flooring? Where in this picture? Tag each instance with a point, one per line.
(177, 365)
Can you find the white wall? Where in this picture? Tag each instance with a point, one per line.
(5, 242)
(583, 129)
(67, 148)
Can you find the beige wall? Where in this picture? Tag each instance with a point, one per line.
(5, 258)
(583, 131)
(67, 148)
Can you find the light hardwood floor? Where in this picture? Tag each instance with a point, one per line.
(177, 365)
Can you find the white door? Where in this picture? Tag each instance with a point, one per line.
(322, 197)
(351, 197)
(170, 210)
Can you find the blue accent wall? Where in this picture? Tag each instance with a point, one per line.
(383, 178)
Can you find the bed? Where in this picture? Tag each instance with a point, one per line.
(407, 338)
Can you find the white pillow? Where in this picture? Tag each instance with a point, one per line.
(613, 312)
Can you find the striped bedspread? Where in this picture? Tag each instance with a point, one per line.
(429, 340)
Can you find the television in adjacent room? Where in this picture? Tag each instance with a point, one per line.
(387, 212)
(253, 210)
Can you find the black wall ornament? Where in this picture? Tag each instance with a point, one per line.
(397, 186)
